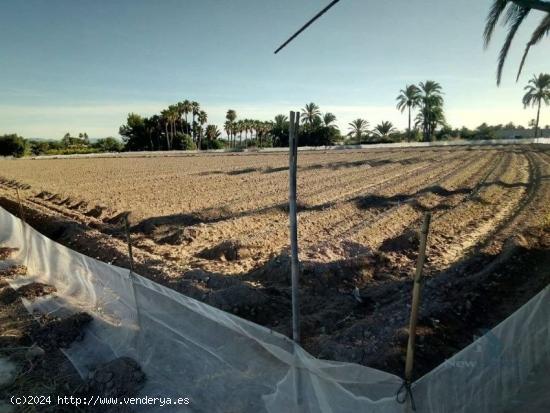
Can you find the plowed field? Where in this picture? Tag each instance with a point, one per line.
(215, 227)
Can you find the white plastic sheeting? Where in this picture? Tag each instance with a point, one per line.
(226, 364)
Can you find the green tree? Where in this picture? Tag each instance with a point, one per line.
(202, 117)
(329, 119)
(515, 12)
(195, 109)
(409, 98)
(358, 128)
(431, 112)
(186, 109)
(384, 129)
(12, 145)
(108, 144)
(133, 133)
(311, 114)
(231, 116)
(537, 91)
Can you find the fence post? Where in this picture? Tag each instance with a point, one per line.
(129, 242)
(294, 263)
(417, 287)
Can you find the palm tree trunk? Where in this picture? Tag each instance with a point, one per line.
(538, 118)
(167, 139)
(409, 123)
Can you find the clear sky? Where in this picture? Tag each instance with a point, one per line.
(81, 66)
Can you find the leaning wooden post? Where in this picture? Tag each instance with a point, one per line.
(129, 242)
(21, 213)
(417, 286)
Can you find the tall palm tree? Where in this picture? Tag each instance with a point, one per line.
(186, 108)
(167, 116)
(538, 91)
(431, 113)
(311, 113)
(328, 120)
(202, 118)
(227, 126)
(195, 109)
(515, 12)
(357, 128)
(409, 98)
(231, 115)
(384, 129)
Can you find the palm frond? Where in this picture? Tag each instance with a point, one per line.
(514, 18)
(542, 30)
(493, 17)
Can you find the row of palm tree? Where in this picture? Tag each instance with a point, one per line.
(359, 128)
(257, 129)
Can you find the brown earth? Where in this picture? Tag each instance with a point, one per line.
(216, 228)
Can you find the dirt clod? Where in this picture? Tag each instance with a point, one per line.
(60, 332)
(120, 377)
(35, 289)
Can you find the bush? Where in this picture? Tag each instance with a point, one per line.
(12, 145)
(320, 136)
(183, 142)
(108, 144)
(213, 144)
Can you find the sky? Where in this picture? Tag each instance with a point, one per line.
(82, 66)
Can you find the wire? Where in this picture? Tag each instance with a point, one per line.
(305, 26)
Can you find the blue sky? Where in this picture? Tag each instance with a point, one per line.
(81, 66)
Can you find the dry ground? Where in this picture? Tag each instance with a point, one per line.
(216, 227)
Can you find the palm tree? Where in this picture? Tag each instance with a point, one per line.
(195, 109)
(328, 119)
(186, 108)
(202, 117)
(431, 113)
(280, 121)
(409, 98)
(538, 91)
(227, 127)
(358, 127)
(164, 117)
(515, 11)
(212, 133)
(311, 114)
(384, 129)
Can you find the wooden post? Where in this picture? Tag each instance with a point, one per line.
(21, 212)
(416, 297)
(294, 264)
(129, 241)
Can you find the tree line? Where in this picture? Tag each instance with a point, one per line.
(184, 126)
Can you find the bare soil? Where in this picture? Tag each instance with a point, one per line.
(216, 229)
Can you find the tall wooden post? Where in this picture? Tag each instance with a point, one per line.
(417, 286)
(294, 264)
